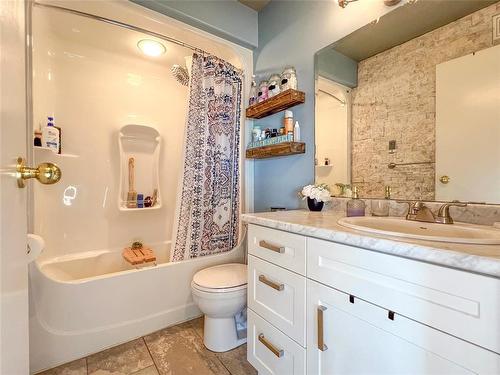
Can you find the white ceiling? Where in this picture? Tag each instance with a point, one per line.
(255, 4)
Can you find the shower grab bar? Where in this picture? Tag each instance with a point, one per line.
(394, 165)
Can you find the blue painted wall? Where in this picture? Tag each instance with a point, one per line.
(228, 19)
(337, 67)
(290, 33)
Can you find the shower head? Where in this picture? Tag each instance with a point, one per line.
(181, 74)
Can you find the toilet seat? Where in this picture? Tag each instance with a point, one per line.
(218, 290)
(224, 278)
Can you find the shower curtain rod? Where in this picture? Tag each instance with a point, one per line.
(123, 25)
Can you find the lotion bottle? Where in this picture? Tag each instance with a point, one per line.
(51, 136)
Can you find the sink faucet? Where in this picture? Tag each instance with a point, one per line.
(418, 211)
(443, 216)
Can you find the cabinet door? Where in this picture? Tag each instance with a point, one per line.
(345, 337)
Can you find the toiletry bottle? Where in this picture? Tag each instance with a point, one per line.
(253, 92)
(355, 206)
(288, 122)
(51, 136)
(140, 200)
(37, 140)
(296, 132)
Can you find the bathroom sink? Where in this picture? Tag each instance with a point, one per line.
(399, 227)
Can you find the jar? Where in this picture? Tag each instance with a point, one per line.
(263, 93)
(274, 85)
(256, 133)
(288, 79)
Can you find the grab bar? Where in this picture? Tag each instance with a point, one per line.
(394, 165)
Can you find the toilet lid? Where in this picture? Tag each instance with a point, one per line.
(223, 276)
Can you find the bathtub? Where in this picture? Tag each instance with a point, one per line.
(86, 302)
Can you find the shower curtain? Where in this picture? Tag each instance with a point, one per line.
(208, 205)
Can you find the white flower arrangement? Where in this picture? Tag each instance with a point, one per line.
(319, 192)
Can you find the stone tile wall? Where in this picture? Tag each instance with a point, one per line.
(395, 100)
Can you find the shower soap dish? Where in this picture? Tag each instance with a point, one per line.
(138, 254)
(139, 147)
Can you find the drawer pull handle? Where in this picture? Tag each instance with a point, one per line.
(277, 352)
(268, 246)
(272, 284)
(321, 339)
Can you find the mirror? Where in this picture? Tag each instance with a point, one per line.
(411, 101)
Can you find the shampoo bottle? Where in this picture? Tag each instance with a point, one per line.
(296, 132)
(355, 206)
(51, 136)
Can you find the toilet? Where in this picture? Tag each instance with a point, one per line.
(220, 293)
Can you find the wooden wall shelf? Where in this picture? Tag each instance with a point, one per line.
(278, 149)
(280, 102)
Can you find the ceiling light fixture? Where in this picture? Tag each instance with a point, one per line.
(151, 47)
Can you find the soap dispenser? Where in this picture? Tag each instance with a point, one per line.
(355, 206)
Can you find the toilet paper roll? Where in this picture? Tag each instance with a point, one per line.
(34, 247)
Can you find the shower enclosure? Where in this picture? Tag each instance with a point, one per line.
(91, 76)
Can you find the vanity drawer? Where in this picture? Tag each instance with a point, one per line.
(460, 303)
(278, 296)
(272, 352)
(285, 249)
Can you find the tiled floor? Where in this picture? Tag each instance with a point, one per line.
(176, 350)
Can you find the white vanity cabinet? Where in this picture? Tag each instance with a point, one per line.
(347, 335)
(336, 309)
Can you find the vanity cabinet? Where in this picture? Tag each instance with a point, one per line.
(347, 335)
(319, 307)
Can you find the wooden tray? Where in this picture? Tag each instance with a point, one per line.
(279, 149)
(280, 102)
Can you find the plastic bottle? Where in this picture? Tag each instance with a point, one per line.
(37, 140)
(51, 136)
(288, 122)
(296, 132)
(253, 92)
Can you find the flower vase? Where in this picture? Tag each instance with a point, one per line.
(314, 205)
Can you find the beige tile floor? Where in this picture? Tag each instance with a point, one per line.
(176, 350)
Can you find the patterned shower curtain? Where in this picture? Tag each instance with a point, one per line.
(207, 215)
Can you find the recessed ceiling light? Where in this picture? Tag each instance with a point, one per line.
(151, 47)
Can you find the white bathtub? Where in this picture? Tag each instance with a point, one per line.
(90, 301)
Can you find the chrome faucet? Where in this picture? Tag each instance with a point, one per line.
(418, 211)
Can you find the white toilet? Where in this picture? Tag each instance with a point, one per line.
(221, 292)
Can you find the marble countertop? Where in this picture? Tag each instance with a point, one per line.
(482, 259)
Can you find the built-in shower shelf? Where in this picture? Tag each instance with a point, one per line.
(280, 102)
(123, 207)
(278, 149)
(43, 150)
(142, 143)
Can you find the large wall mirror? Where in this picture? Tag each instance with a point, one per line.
(411, 101)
